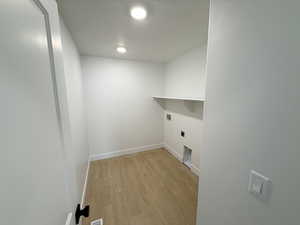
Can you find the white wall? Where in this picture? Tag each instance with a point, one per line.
(121, 111)
(252, 113)
(77, 151)
(185, 77)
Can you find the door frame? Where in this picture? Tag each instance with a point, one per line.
(54, 40)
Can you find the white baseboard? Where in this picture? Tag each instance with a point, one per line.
(85, 184)
(173, 152)
(194, 169)
(125, 152)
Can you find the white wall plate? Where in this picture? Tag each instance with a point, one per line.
(259, 185)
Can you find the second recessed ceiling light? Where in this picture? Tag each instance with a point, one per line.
(121, 49)
(138, 12)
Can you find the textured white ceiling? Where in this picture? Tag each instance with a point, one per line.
(171, 28)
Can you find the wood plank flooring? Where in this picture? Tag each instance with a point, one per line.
(147, 188)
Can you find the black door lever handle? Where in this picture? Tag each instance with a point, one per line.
(81, 212)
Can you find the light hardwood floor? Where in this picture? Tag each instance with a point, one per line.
(147, 188)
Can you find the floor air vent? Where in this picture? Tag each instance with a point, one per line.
(97, 222)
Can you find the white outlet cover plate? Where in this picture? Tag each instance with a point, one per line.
(259, 185)
(97, 222)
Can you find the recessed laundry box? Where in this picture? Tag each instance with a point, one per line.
(187, 156)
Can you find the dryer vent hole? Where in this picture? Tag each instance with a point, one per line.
(187, 157)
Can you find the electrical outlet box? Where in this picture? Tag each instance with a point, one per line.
(169, 117)
(259, 185)
(182, 133)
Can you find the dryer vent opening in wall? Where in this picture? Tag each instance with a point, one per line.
(187, 157)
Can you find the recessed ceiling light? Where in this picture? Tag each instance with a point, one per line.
(121, 49)
(138, 13)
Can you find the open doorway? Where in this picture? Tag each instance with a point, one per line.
(143, 68)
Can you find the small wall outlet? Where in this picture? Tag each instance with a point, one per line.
(182, 133)
(259, 185)
(169, 117)
(97, 222)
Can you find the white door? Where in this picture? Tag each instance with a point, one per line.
(32, 168)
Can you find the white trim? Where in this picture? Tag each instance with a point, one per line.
(173, 152)
(180, 98)
(125, 152)
(69, 218)
(194, 168)
(85, 184)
